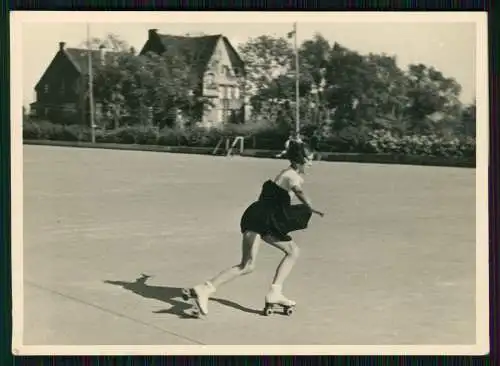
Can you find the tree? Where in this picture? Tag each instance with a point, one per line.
(346, 84)
(272, 76)
(467, 124)
(150, 87)
(111, 41)
(430, 93)
(348, 90)
(266, 58)
(313, 59)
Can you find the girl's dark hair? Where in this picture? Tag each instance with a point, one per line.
(296, 153)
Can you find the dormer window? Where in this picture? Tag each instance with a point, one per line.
(209, 80)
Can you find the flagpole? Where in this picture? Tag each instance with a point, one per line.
(297, 101)
(91, 87)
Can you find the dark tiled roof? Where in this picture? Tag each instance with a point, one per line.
(233, 55)
(79, 57)
(202, 48)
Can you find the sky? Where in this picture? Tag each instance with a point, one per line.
(448, 46)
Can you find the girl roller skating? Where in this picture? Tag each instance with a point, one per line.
(271, 218)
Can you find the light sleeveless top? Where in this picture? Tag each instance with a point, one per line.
(289, 179)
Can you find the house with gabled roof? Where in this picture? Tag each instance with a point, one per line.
(218, 67)
(63, 87)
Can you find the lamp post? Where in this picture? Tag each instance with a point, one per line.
(91, 88)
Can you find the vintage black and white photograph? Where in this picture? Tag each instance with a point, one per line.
(249, 183)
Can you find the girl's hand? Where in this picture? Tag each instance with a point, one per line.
(321, 214)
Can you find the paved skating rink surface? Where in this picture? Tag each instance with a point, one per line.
(111, 237)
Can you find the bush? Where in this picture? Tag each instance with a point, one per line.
(147, 136)
(427, 145)
(266, 135)
(124, 135)
(31, 131)
(201, 136)
(171, 137)
(44, 130)
(347, 140)
(143, 135)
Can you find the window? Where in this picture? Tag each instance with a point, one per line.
(224, 92)
(226, 111)
(235, 92)
(209, 80)
(46, 88)
(63, 87)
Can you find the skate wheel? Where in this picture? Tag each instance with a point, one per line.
(186, 294)
(194, 313)
(289, 311)
(268, 311)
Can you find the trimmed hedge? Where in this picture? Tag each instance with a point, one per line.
(260, 136)
(337, 157)
(44, 130)
(385, 142)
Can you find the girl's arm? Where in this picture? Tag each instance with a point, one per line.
(303, 198)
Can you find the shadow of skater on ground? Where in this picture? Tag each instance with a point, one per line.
(236, 306)
(172, 296)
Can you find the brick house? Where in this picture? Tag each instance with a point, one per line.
(62, 91)
(218, 67)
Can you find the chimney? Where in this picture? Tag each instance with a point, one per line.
(102, 53)
(152, 32)
(61, 45)
(132, 50)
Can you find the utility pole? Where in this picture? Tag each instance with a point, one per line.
(91, 87)
(297, 98)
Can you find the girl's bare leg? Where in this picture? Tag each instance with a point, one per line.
(291, 251)
(250, 249)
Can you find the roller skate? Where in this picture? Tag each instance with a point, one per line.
(277, 302)
(198, 297)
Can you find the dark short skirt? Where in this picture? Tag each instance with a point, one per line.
(266, 218)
